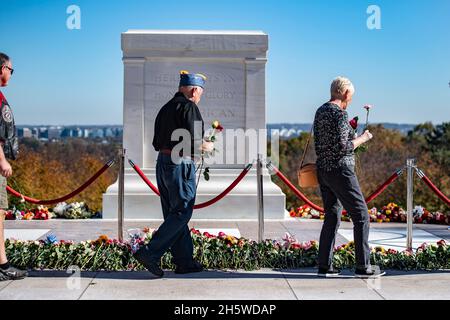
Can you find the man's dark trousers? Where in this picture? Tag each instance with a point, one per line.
(340, 187)
(176, 184)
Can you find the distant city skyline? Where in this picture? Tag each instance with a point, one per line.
(60, 132)
(75, 77)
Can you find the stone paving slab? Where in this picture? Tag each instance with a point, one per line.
(3, 284)
(307, 286)
(394, 238)
(301, 284)
(46, 286)
(213, 285)
(401, 285)
(25, 234)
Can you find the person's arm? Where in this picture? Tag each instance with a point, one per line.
(366, 136)
(344, 129)
(5, 167)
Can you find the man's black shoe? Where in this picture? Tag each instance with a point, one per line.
(194, 266)
(12, 274)
(328, 272)
(153, 267)
(368, 273)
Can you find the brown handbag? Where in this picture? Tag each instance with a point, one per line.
(307, 174)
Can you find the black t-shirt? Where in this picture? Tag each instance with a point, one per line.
(178, 113)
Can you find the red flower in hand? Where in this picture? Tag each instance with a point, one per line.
(354, 123)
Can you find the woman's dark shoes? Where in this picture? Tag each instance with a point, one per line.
(194, 266)
(328, 272)
(12, 273)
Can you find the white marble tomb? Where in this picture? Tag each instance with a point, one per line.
(234, 62)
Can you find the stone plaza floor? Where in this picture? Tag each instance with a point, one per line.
(246, 285)
(264, 284)
(384, 234)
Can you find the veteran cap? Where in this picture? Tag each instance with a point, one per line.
(190, 79)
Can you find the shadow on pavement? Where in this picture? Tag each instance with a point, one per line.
(217, 274)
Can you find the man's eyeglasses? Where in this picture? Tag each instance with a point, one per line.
(10, 69)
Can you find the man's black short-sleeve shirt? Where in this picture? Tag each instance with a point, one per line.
(178, 113)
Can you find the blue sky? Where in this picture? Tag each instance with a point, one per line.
(67, 76)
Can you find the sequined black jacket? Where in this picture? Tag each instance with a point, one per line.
(333, 137)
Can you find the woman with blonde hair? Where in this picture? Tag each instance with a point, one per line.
(335, 144)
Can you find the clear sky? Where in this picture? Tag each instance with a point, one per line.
(67, 76)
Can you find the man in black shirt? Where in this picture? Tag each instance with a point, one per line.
(178, 137)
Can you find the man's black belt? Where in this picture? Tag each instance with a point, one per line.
(169, 152)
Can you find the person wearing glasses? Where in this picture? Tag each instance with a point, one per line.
(8, 150)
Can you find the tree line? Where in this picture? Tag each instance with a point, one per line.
(46, 170)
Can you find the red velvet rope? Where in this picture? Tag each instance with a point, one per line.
(295, 190)
(200, 205)
(143, 177)
(300, 195)
(66, 197)
(226, 191)
(383, 187)
(433, 188)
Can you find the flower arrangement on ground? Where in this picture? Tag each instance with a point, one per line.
(220, 251)
(75, 210)
(392, 212)
(38, 213)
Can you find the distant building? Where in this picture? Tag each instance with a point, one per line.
(108, 132)
(54, 133)
(24, 133)
(35, 133)
(43, 133)
(76, 133)
(97, 133)
(66, 133)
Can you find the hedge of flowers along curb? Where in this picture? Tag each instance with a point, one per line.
(389, 213)
(214, 252)
(75, 210)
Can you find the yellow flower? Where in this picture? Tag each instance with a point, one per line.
(215, 124)
(380, 249)
(28, 216)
